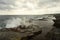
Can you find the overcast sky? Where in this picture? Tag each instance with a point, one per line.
(33, 7)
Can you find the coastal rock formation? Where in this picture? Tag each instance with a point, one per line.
(57, 21)
(54, 34)
(18, 33)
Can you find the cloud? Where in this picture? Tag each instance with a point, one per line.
(6, 4)
(29, 6)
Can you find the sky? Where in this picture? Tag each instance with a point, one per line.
(29, 7)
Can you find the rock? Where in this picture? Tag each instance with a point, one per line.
(57, 21)
(32, 36)
(18, 33)
(9, 36)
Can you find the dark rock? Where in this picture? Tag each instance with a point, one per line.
(31, 36)
(57, 21)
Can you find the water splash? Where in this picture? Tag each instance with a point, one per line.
(14, 22)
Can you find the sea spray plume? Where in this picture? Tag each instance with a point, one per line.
(18, 23)
(13, 22)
